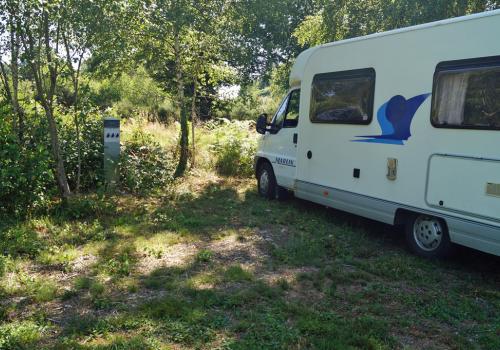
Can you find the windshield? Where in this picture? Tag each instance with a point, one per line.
(280, 114)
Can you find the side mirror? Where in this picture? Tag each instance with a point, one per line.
(261, 125)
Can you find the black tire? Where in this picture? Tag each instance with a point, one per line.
(428, 236)
(266, 181)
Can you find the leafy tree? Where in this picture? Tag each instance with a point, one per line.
(40, 32)
(259, 34)
(182, 45)
(79, 31)
(343, 19)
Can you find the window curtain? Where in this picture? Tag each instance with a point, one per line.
(452, 91)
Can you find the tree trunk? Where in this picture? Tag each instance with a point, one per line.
(193, 121)
(18, 110)
(62, 180)
(184, 142)
(12, 93)
(79, 151)
(75, 77)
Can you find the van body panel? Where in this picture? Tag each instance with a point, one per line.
(460, 184)
(371, 208)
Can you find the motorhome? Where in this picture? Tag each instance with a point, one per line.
(401, 127)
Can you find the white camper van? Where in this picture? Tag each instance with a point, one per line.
(402, 127)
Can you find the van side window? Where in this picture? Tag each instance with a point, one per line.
(292, 112)
(467, 94)
(343, 97)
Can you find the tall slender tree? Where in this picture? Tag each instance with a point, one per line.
(40, 32)
(10, 41)
(178, 43)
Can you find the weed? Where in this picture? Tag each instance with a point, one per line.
(235, 273)
(283, 284)
(153, 252)
(82, 282)
(19, 335)
(45, 291)
(96, 289)
(120, 264)
(20, 240)
(204, 256)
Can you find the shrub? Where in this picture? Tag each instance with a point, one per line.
(19, 335)
(25, 172)
(85, 207)
(234, 149)
(21, 239)
(145, 166)
(91, 152)
(3, 263)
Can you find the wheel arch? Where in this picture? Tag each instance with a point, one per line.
(259, 161)
(403, 215)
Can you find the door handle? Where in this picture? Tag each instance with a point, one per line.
(295, 137)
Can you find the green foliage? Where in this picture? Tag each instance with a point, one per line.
(133, 94)
(234, 148)
(25, 173)
(85, 207)
(261, 33)
(19, 335)
(26, 176)
(204, 256)
(255, 100)
(3, 267)
(145, 166)
(21, 239)
(104, 94)
(120, 264)
(235, 273)
(44, 291)
(91, 151)
(340, 19)
(311, 31)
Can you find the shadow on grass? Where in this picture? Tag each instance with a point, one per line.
(352, 285)
(237, 311)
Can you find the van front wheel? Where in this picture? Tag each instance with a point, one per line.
(266, 181)
(428, 236)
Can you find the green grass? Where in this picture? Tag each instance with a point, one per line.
(20, 335)
(212, 266)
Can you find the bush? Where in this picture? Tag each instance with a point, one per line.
(251, 102)
(26, 168)
(20, 239)
(145, 166)
(19, 335)
(25, 172)
(92, 152)
(85, 207)
(234, 149)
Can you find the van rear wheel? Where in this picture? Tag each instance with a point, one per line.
(428, 236)
(266, 181)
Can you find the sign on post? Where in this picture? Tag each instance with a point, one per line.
(111, 151)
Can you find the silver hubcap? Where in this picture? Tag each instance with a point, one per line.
(428, 233)
(264, 182)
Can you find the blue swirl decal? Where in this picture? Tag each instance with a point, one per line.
(395, 117)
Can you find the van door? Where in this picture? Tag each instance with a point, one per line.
(281, 143)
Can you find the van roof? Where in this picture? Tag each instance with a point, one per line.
(301, 60)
